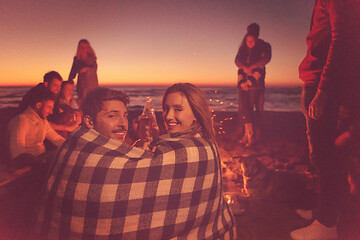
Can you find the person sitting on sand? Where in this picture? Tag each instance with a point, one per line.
(67, 94)
(28, 130)
(102, 188)
(64, 110)
(52, 81)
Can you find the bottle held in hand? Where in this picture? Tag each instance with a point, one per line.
(148, 127)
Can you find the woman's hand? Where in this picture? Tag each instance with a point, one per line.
(248, 70)
(143, 144)
(244, 86)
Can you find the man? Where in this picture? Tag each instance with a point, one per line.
(28, 130)
(265, 48)
(52, 82)
(331, 81)
(101, 188)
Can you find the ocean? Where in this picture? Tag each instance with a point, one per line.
(284, 99)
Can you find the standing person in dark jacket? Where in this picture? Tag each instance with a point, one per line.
(264, 50)
(85, 66)
(331, 80)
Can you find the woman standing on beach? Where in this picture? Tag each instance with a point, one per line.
(85, 66)
(251, 72)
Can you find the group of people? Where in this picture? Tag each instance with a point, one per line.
(48, 111)
(98, 185)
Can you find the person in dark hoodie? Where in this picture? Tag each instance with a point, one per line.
(252, 56)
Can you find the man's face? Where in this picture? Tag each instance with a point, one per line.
(45, 108)
(54, 86)
(112, 120)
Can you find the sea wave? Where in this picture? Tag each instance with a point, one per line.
(221, 98)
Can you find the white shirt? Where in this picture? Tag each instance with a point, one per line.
(27, 132)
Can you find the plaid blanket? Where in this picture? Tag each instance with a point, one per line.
(99, 188)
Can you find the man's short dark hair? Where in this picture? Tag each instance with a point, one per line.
(94, 101)
(49, 76)
(41, 95)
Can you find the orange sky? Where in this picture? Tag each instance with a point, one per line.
(150, 42)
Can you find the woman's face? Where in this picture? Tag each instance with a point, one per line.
(250, 41)
(177, 113)
(68, 90)
(83, 47)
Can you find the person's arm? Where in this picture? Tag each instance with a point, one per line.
(265, 54)
(65, 127)
(338, 45)
(74, 70)
(328, 81)
(52, 135)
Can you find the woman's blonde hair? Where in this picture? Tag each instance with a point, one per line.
(83, 52)
(199, 105)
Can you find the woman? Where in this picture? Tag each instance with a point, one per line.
(86, 67)
(190, 143)
(250, 83)
(66, 95)
(64, 112)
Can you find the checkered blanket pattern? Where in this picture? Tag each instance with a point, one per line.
(99, 188)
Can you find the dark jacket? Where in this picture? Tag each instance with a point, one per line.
(262, 57)
(333, 53)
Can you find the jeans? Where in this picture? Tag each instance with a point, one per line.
(247, 101)
(329, 163)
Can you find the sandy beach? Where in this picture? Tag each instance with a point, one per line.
(282, 151)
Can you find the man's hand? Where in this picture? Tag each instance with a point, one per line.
(317, 106)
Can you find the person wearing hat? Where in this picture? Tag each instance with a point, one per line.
(251, 61)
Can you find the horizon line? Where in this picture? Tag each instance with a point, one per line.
(163, 85)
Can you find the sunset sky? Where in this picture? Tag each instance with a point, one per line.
(150, 41)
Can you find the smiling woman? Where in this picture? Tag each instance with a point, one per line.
(185, 108)
(177, 112)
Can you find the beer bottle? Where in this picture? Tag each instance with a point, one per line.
(148, 127)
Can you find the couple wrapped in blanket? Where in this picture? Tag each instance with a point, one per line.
(101, 188)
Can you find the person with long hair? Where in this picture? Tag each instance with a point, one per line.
(85, 66)
(65, 113)
(200, 120)
(191, 141)
(251, 84)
